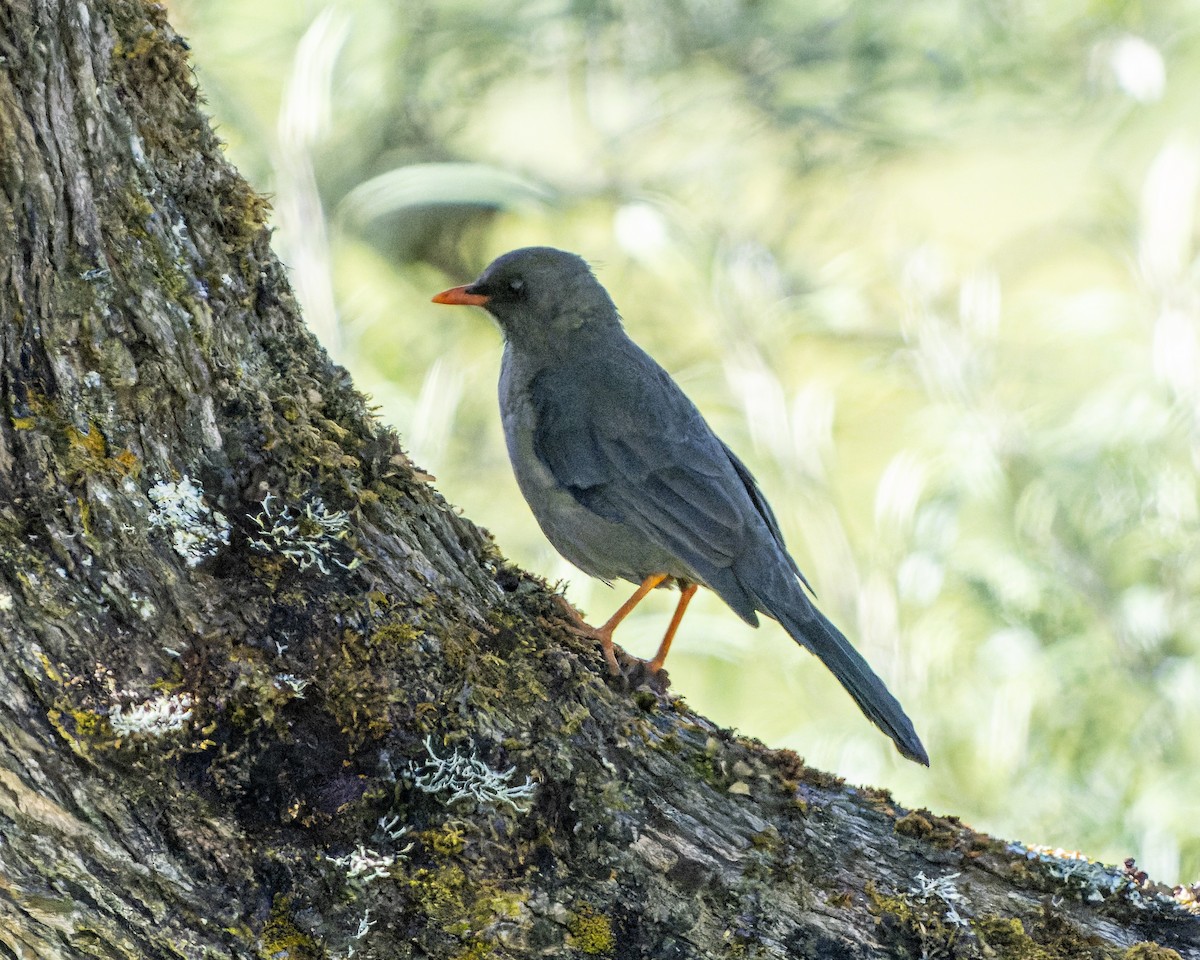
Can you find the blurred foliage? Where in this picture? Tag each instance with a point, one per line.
(931, 267)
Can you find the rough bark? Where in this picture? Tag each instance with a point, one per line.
(218, 718)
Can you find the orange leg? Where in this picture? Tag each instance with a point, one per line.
(685, 597)
(605, 633)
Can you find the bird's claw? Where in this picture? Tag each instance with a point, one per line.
(633, 671)
(639, 674)
(581, 628)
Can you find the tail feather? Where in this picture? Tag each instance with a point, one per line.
(809, 628)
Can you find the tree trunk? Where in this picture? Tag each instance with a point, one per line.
(265, 695)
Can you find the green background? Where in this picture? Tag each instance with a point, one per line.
(929, 267)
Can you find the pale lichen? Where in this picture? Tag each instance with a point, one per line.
(364, 866)
(152, 718)
(197, 532)
(365, 923)
(465, 777)
(296, 684)
(389, 828)
(942, 889)
(1093, 881)
(311, 537)
(1188, 897)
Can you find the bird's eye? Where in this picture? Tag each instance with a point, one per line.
(516, 287)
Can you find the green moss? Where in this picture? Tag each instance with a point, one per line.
(574, 717)
(707, 765)
(356, 694)
(768, 840)
(1007, 939)
(1150, 951)
(911, 927)
(140, 207)
(591, 933)
(65, 724)
(396, 634)
(281, 939)
(705, 768)
(1049, 936)
(458, 651)
(444, 842)
(288, 408)
(923, 825)
(876, 796)
(439, 893)
(475, 950)
(668, 744)
(949, 833)
(820, 779)
(88, 723)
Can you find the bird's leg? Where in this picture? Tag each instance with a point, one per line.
(685, 597)
(605, 632)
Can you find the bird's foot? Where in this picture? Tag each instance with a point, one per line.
(633, 671)
(581, 628)
(641, 674)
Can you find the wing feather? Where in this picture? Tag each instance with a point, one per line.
(638, 452)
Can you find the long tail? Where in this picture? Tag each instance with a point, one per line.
(809, 628)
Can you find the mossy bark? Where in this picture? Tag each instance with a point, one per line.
(219, 718)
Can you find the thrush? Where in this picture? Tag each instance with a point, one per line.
(627, 479)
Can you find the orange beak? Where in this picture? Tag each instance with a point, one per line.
(459, 295)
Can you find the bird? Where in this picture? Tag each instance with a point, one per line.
(629, 482)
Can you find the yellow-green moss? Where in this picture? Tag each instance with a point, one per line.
(255, 698)
(1150, 951)
(87, 450)
(85, 730)
(768, 840)
(1007, 939)
(396, 634)
(498, 905)
(439, 892)
(591, 933)
(88, 723)
(355, 692)
(281, 939)
(444, 842)
(1050, 936)
(475, 950)
(90, 441)
(905, 923)
(52, 672)
(574, 716)
(923, 825)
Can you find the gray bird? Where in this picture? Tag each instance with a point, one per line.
(629, 482)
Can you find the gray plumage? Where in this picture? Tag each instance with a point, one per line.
(627, 479)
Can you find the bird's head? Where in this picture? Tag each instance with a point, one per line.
(542, 298)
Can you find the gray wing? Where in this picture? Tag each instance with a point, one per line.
(764, 510)
(638, 452)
